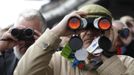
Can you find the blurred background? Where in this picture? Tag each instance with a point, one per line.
(55, 10)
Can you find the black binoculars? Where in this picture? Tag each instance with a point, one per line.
(23, 34)
(124, 33)
(101, 23)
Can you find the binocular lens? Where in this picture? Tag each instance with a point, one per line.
(28, 32)
(124, 32)
(15, 32)
(104, 24)
(74, 23)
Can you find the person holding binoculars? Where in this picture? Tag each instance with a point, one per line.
(14, 42)
(124, 37)
(129, 21)
(90, 50)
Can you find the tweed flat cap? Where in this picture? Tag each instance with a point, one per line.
(95, 10)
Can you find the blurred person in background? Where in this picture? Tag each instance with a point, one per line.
(129, 21)
(16, 39)
(124, 36)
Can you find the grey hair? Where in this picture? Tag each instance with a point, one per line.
(30, 14)
(119, 22)
(126, 18)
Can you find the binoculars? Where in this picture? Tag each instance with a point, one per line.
(23, 34)
(124, 33)
(100, 23)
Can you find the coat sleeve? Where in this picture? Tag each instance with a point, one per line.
(36, 59)
(112, 66)
(129, 63)
(117, 65)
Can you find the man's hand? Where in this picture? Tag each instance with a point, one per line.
(7, 40)
(61, 29)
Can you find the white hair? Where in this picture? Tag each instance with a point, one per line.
(30, 14)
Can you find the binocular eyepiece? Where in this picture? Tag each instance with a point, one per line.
(23, 34)
(100, 23)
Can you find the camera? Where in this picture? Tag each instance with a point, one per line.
(23, 34)
(100, 23)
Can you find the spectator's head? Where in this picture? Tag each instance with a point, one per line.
(123, 34)
(32, 19)
(96, 11)
(129, 21)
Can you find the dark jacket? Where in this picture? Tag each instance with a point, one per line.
(130, 49)
(8, 62)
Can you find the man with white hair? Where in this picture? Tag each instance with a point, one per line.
(14, 42)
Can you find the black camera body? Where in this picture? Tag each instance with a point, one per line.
(23, 34)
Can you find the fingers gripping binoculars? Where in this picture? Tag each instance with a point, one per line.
(23, 34)
(100, 23)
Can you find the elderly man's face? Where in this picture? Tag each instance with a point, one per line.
(32, 24)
